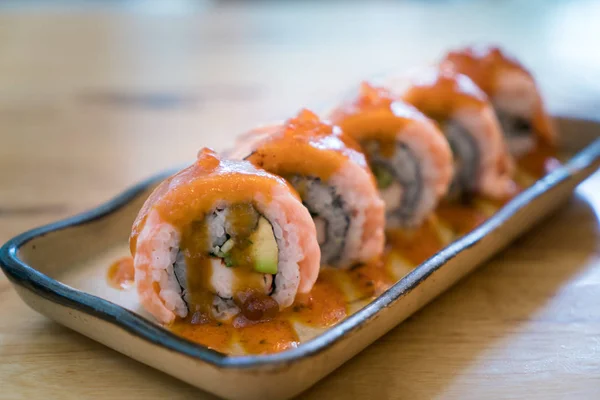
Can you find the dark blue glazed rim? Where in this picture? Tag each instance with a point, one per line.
(19, 273)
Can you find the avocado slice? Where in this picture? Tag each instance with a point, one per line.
(383, 176)
(265, 253)
(227, 246)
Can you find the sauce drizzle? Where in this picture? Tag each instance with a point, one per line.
(200, 329)
(266, 337)
(329, 301)
(371, 279)
(461, 218)
(419, 244)
(121, 274)
(540, 161)
(324, 306)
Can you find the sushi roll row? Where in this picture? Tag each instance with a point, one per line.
(245, 233)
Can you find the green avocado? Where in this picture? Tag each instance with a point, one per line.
(264, 248)
(383, 176)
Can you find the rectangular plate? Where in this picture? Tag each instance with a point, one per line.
(59, 270)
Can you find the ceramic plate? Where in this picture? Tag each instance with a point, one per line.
(59, 270)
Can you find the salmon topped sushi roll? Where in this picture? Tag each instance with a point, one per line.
(333, 179)
(222, 238)
(482, 163)
(512, 91)
(408, 154)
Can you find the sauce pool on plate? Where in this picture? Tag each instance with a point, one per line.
(324, 306)
(540, 161)
(371, 279)
(205, 331)
(329, 301)
(121, 274)
(418, 244)
(267, 337)
(461, 218)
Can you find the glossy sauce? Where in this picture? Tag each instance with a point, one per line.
(461, 218)
(483, 65)
(439, 93)
(375, 114)
(255, 337)
(540, 161)
(324, 306)
(486, 66)
(303, 145)
(265, 337)
(419, 244)
(121, 274)
(225, 180)
(233, 182)
(327, 304)
(200, 329)
(242, 220)
(194, 246)
(371, 279)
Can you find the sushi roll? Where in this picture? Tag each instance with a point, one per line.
(408, 154)
(513, 93)
(222, 238)
(482, 163)
(333, 179)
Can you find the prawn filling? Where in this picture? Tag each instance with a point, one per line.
(329, 213)
(466, 159)
(226, 264)
(518, 131)
(399, 179)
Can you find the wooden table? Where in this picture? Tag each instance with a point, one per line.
(94, 98)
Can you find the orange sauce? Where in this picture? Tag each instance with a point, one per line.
(194, 244)
(327, 304)
(255, 337)
(324, 306)
(121, 274)
(371, 279)
(265, 337)
(540, 161)
(306, 146)
(375, 114)
(217, 180)
(440, 92)
(483, 66)
(416, 245)
(486, 66)
(205, 331)
(461, 218)
(242, 218)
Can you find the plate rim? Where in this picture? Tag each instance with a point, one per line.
(24, 275)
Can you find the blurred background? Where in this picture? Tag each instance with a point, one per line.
(95, 95)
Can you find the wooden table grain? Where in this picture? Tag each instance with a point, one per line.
(95, 97)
